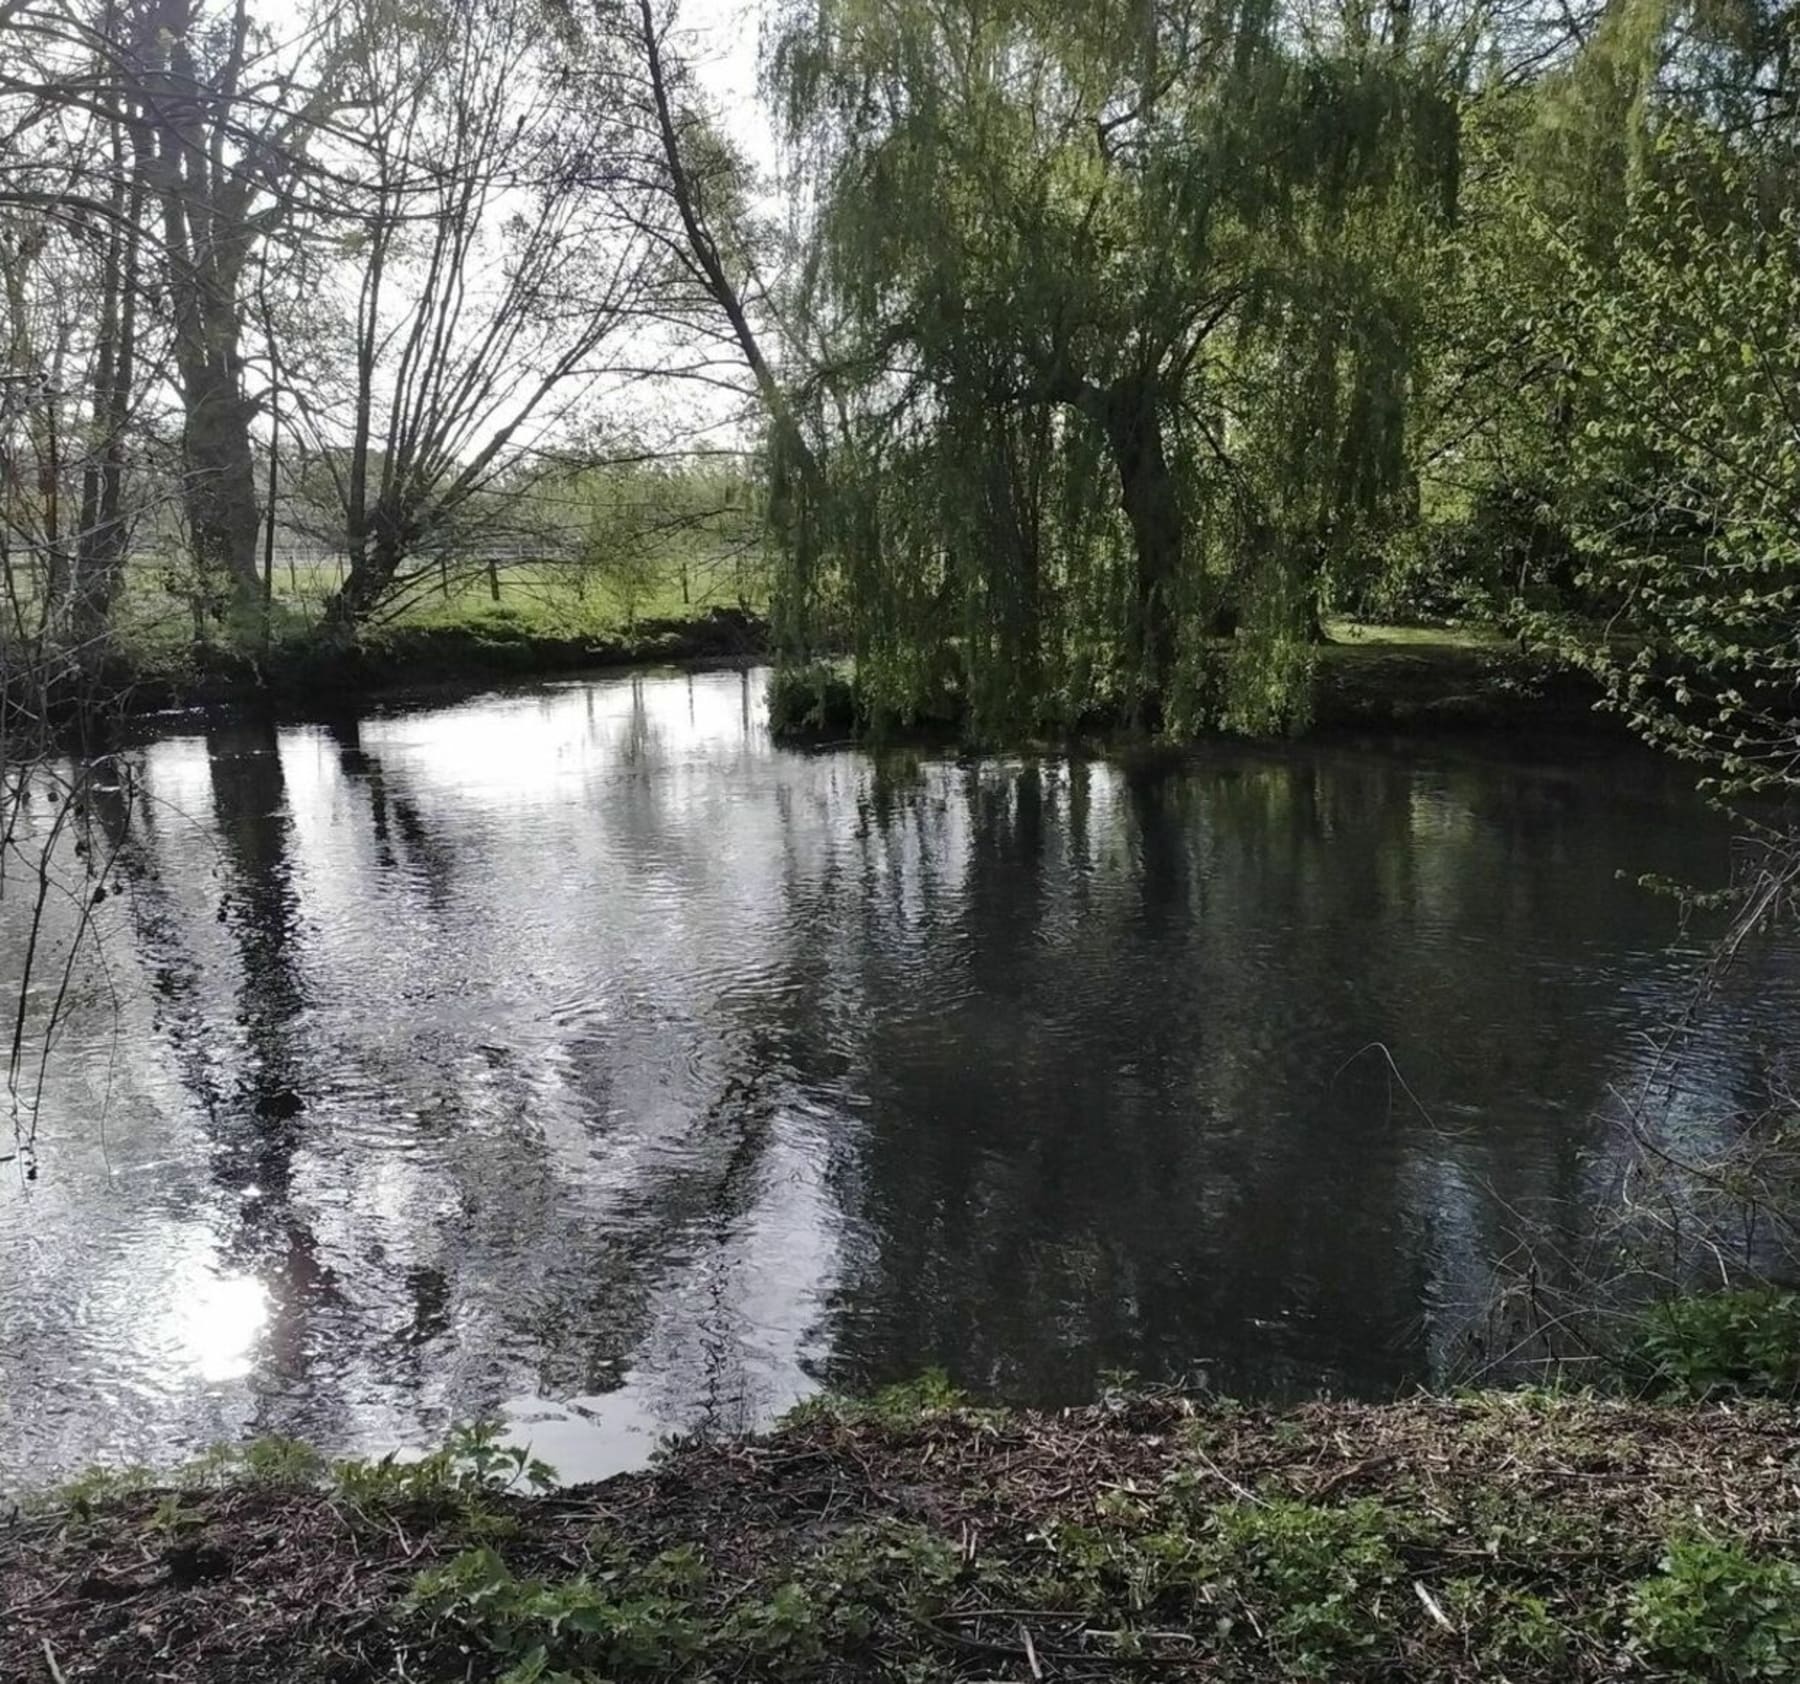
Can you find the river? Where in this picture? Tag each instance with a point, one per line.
(578, 1054)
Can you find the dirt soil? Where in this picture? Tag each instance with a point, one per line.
(1045, 1521)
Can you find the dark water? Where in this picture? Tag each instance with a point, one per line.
(577, 1052)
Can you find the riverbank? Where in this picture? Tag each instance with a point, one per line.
(300, 673)
(1388, 679)
(1524, 1537)
(1401, 678)
(1396, 679)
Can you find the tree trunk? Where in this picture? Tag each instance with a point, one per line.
(207, 235)
(219, 489)
(794, 459)
(100, 562)
(371, 571)
(1134, 431)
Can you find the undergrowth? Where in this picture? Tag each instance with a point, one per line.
(1532, 1538)
(1744, 1342)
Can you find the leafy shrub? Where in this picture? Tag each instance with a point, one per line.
(1716, 1612)
(811, 701)
(1312, 1577)
(1746, 1341)
(473, 1466)
(622, 1622)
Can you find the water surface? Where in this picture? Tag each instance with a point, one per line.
(580, 1053)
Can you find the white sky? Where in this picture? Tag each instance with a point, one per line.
(726, 37)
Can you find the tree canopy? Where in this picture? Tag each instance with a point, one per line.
(1094, 357)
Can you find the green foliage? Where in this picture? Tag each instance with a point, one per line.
(1156, 319)
(1511, 1629)
(94, 1487)
(173, 1515)
(906, 1403)
(281, 1461)
(471, 1466)
(1746, 1341)
(622, 1620)
(631, 1618)
(1126, 1562)
(1315, 1584)
(271, 1461)
(789, 1625)
(1716, 1612)
(1684, 476)
(890, 1561)
(1318, 1581)
(1100, 1536)
(815, 700)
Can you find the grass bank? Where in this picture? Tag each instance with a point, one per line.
(535, 623)
(301, 669)
(1504, 1536)
(528, 620)
(1402, 677)
(1366, 678)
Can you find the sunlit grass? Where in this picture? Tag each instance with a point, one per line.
(1367, 634)
(155, 627)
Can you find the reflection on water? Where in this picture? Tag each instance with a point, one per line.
(222, 1317)
(577, 1053)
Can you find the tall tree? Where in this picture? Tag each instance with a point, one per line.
(223, 125)
(490, 267)
(1146, 234)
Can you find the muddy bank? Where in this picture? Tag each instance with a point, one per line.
(1526, 1538)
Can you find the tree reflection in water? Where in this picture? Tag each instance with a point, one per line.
(577, 1045)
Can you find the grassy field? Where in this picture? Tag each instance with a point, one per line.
(1368, 635)
(517, 602)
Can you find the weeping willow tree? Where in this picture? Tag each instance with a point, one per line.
(1116, 306)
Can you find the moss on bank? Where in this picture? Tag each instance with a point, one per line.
(1522, 1537)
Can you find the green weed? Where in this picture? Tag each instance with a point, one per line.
(1510, 1629)
(894, 1562)
(1314, 1582)
(456, 1485)
(901, 1405)
(1715, 1612)
(1744, 1342)
(617, 1622)
(628, 1619)
(94, 1487)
